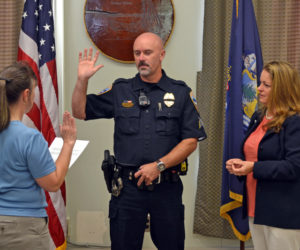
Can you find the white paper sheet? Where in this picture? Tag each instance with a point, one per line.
(57, 144)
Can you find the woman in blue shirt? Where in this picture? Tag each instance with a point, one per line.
(26, 166)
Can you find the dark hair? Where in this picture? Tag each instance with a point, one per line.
(14, 79)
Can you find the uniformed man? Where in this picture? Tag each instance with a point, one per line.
(157, 127)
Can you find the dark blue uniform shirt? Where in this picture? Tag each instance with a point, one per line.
(145, 134)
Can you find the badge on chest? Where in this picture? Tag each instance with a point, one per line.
(169, 99)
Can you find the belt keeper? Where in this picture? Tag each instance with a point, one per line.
(158, 179)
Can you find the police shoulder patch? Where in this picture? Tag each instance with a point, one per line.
(193, 98)
(107, 89)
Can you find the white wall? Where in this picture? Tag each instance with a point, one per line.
(87, 197)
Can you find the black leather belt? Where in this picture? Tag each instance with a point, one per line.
(168, 175)
(128, 172)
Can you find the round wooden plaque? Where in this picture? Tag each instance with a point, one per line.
(113, 25)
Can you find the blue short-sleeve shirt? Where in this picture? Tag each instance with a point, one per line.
(24, 156)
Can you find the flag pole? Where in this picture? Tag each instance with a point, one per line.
(242, 245)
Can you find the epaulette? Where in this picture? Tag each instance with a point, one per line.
(109, 88)
(179, 82)
(121, 80)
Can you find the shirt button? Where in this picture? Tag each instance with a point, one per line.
(147, 111)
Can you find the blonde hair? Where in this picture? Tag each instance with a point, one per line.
(14, 80)
(284, 97)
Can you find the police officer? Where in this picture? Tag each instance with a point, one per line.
(157, 127)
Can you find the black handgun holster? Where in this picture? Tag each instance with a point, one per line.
(108, 165)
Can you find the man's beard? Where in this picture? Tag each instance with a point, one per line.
(144, 72)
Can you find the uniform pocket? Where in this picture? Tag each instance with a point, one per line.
(127, 120)
(167, 121)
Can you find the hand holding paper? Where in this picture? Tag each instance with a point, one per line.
(57, 144)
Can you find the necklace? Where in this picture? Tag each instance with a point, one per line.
(267, 116)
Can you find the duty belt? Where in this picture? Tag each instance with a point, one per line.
(168, 175)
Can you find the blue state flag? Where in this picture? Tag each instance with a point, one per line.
(244, 68)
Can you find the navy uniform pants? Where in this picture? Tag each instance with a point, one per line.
(128, 215)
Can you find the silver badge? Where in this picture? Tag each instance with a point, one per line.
(169, 99)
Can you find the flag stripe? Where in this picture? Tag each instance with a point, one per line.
(28, 58)
(28, 47)
(50, 97)
(29, 122)
(57, 235)
(34, 116)
(58, 201)
(52, 71)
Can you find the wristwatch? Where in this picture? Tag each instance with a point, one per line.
(160, 165)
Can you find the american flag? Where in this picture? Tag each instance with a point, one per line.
(37, 46)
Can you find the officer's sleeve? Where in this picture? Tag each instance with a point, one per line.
(191, 123)
(100, 105)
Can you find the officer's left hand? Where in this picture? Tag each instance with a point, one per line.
(147, 173)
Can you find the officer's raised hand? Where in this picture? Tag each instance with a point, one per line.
(86, 65)
(86, 69)
(147, 173)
